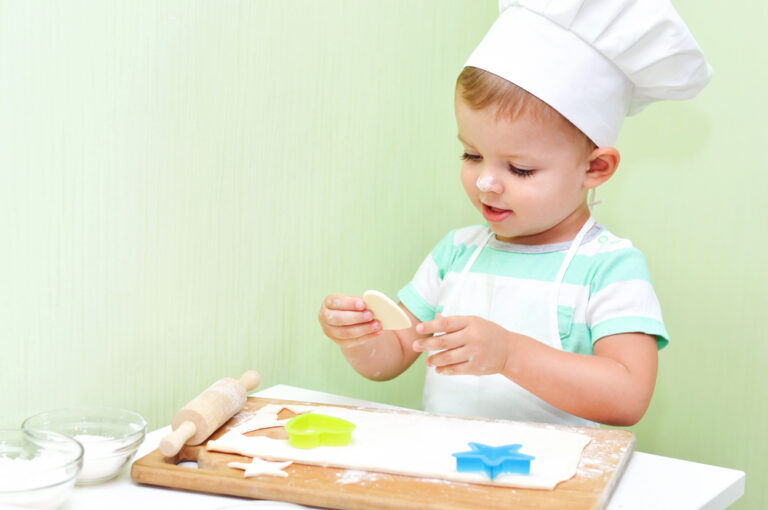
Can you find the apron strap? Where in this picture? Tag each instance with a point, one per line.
(467, 266)
(555, 327)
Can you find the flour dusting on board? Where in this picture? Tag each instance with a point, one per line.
(601, 458)
(363, 477)
(355, 476)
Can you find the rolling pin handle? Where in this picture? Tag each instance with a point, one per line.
(172, 443)
(250, 380)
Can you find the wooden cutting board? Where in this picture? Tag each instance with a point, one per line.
(601, 466)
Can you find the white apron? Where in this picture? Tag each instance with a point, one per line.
(495, 396)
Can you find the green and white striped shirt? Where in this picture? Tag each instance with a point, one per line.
(605, 291)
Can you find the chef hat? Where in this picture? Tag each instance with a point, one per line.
(594, 61)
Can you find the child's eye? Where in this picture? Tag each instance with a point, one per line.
(471, 157)
(520, 172)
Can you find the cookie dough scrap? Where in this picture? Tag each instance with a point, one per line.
(389, 314)
(258, 422)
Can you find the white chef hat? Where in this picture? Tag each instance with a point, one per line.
(594, 61)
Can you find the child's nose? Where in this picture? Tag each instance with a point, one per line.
(487, 183)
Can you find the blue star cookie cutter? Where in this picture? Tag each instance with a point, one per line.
(494, 460)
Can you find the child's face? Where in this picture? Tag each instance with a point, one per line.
(532, 174)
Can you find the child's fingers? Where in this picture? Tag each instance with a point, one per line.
(437, 343)
(441, 324)
(341, 310)
(449, 357)
(345, 318)
(344, 302)
(356, 332)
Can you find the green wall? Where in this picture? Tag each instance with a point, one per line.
(182, 182)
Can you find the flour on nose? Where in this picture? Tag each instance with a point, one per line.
(485, 183)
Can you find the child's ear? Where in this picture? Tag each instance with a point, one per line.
(603, 163)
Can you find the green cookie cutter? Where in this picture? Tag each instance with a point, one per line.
(311, 430)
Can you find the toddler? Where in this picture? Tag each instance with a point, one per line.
(539, 313)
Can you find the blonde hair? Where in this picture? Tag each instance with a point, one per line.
(481, 89)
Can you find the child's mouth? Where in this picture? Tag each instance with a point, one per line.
(495, 215)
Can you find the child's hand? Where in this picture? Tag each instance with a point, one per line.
(345, 319)
(470, 346)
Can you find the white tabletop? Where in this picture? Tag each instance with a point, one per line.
(650, 481)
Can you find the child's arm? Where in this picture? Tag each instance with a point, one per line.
(614, 386)
(374, 353)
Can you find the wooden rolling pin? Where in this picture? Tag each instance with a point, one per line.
(194, 422)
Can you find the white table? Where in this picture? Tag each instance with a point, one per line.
(650, 481)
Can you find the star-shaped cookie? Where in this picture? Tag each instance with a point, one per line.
(258, 467)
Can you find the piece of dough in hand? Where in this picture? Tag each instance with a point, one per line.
(386, 311)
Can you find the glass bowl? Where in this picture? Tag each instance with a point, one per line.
(110, 437)
(37, 468)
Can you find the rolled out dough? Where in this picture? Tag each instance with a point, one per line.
(420, 445)
(385, 310)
